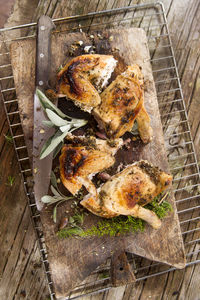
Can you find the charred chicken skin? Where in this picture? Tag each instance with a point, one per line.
(82, 158)
(121, 103)
(128, 191)
(83, 77)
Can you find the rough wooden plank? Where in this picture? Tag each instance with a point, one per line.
(154, 152)
(184, 27)
(176, 17)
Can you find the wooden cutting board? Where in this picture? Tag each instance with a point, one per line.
(72, 260)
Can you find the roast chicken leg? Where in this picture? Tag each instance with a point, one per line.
(82, 158)
(121, 103)
(128, 191)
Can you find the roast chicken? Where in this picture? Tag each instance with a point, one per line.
(83, 77)
(128, 191)
(121, 103)
(82, 158)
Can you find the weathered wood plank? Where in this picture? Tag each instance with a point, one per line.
(185, 54)
(153, 152)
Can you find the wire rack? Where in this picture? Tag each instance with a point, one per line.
(178, 140)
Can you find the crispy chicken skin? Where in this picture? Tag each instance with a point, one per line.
(126, 192)
(82, 158)
(121, 103)
(83, 76)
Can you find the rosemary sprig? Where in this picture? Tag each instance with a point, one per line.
(57, 119)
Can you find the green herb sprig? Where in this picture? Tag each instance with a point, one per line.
(73, 228)
(11, 180)
(57, 197)
(160, 206)
(8, 138)
(119, 225)
(61, 122)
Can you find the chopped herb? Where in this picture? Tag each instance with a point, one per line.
(114, 226)
(103, 275)
(160, 210)
(11, 180)
(111, 143)
(9, 139)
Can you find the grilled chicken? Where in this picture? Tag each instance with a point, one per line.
(128, 191)
(82, 158)
(83, 77)
(121, 103)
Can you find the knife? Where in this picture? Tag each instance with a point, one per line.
(41, 167)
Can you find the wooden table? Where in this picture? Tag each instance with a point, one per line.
(21, 271)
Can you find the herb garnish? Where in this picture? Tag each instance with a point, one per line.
(57, 197)
(61, 122)
(11, 180)
(117, 225)
(8, 138)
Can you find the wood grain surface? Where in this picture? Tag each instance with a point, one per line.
(22, 274)
(73, 259)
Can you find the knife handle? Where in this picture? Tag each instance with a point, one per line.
(43, 59)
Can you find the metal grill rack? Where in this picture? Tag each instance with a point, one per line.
(179, 144)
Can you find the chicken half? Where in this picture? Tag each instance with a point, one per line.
(83, 77)
(121, 103)
(128, 191)
(82, 158)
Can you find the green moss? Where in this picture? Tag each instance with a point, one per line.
(115, 226)
(118, 225)
(160, 210)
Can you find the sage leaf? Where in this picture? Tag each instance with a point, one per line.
(66, 127)
(54, 142)
(48, 142)
(55, 119)
(51, 199)
(46, 103)
(47, 123)
(55, 214)
(55, 192)
(46, 199)
(53, 179)
(57, 149)
(79, 122)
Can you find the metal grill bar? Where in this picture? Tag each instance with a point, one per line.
(163, 69)
(173, 112)
(161, 58)
(191, 220)
(189, 209)
(181, 156)
(184, 177)
(5, 78)
(189, 186)
(157, 15)
(168, 91)
(188, 198)
(176, 134)
(184, 166)
(5, 66)
(164, 80)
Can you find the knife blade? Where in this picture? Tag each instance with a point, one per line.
(41, 167)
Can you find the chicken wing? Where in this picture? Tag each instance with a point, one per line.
(82, 158)
(128, 191)
(121, 103)
(83, 77)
